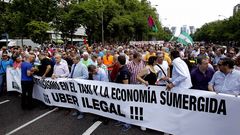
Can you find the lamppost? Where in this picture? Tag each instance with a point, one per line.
(222, 16)
(102, 25)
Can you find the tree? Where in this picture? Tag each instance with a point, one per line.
(123, 20)
(38, 31)
(21, 13)
(227, 30)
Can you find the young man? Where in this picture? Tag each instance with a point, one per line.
(123, 77)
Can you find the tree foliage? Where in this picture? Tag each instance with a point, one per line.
(220, 31)
(38, 31)
(122, 20)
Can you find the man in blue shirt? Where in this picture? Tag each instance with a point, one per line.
(97, 73)
(201, 75)
(78, 70)
(4, 63)
(27, 71)
(227, 79)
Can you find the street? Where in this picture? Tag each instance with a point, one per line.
(52, 121)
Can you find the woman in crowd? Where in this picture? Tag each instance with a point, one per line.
(148, 75)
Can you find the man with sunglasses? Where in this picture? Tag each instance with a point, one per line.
(227, 79)
(4, 63)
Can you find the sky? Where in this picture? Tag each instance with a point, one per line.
(192, 12)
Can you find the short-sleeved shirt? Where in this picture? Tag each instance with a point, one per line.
(200, 80)
(42, 68)
(101, 75)
(4, 64)
(165, 67)
(229, 84)
(108, 60)
(24, 68)
(123, 74)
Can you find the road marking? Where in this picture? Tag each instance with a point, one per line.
(30, 122)
(4, 102)
(92, 128)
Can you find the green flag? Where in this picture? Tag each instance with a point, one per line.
(185, 39)
(154, 28)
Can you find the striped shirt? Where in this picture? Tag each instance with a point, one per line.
(134, 69)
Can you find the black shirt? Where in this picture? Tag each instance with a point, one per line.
(43, 67)
(123, 74)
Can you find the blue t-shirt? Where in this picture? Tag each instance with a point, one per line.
(4, 64)
(24, 68)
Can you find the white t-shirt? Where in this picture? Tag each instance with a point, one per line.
(165, 67)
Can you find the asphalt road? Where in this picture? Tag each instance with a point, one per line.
(16, 121)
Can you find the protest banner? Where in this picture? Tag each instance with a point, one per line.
(179, 112)
(13, 79)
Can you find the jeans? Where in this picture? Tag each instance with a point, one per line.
(2, 82)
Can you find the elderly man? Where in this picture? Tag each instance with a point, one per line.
(78, 71)
(86, 60)
(60, 69)
(227, 79)
(162, 69)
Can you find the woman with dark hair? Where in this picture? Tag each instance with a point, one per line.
(148, 75)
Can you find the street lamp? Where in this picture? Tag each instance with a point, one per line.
(102, 25)
(222, 16)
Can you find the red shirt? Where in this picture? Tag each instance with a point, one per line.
(114, 72)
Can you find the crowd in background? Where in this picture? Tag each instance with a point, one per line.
(199, 66)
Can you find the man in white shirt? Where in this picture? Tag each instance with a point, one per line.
(162, 69)
(60, 69)
(181, 77)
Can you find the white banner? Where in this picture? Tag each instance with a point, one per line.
(179, 112)
(13, 79)
(146, 42)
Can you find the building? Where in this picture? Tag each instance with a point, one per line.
(78, 36)
(236, 9)
(192, 29)
(184, 29)
(173, 29)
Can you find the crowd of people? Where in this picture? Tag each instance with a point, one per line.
(206, 67)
